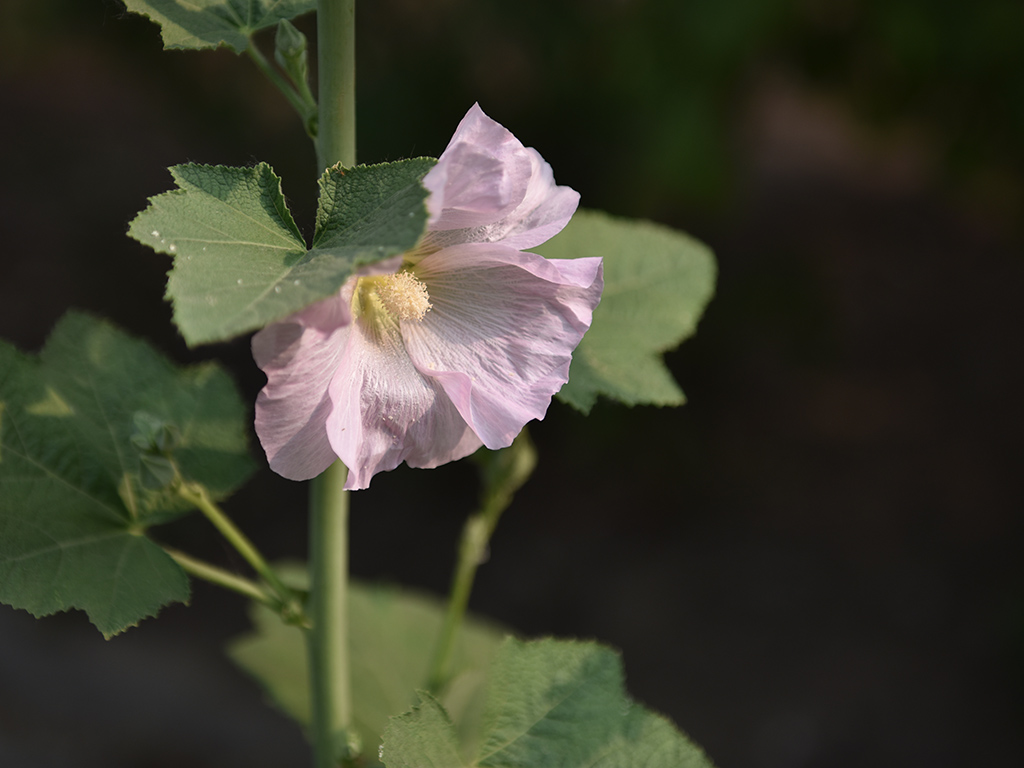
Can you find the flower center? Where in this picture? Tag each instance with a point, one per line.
(387, 298)
(404, 296)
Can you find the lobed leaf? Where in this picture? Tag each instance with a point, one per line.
(76, 493)
(240, 261)
(550, 704)
(196, 24)
(657, 282)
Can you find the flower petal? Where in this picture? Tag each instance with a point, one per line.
(300, 357)
(500, 335)
(384, 412)
(481, 176)
(545, 210)
(488, 188)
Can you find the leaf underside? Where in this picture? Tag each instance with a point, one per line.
(657, 283)
(197, 24)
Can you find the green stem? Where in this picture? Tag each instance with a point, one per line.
(302, 102)
(197, 496)
(476, 536)
(215, 575)
(328, 639)
(336, 74)
(330, 698)
(472, 548)
(503, 473)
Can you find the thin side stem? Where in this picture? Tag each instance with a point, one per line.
(222, 578)
(504, 472)
(336, 76)
(328, 608)
(197, 496)
(472, 547)
(302, 102)
(476, 535)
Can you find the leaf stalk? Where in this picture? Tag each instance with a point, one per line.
(198, 496)
(302, 100)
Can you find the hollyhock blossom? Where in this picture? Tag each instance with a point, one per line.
(459, 343)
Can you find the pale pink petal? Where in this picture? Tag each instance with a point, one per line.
(543, 213)
(300, 357)
(488, 188)
(500, 335)
(481, 177)
(484, 360)
(384, 412)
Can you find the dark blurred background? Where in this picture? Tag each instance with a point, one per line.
(813, 564)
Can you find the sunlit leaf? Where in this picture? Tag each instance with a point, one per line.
(239, 260)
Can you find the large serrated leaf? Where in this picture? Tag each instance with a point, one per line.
(550, 704)
(390, 646)
(74, 502)
(194, 24)
(657, 282)
(239, 260)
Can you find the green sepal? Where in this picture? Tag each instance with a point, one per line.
(197, 24)
(290, 52)
(657, 282)
(240, 262)
(93, 434)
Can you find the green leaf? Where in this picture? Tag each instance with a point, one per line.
(76, 490)
(198, 24)
(423, 738)
(550, 704)
(657, 282)
(239, 260)
(390, 647)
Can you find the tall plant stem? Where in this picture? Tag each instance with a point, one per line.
(330, 697)
(328, 607)
(336, 74)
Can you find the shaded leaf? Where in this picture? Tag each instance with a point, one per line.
(392, 635)
(239, 260)
(657, 283)
(77, 492)
(550, 704)
(211, 23)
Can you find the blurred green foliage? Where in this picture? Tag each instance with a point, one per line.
(654, 89)
(645, 97)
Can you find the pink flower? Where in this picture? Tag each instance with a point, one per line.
(456, 344)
